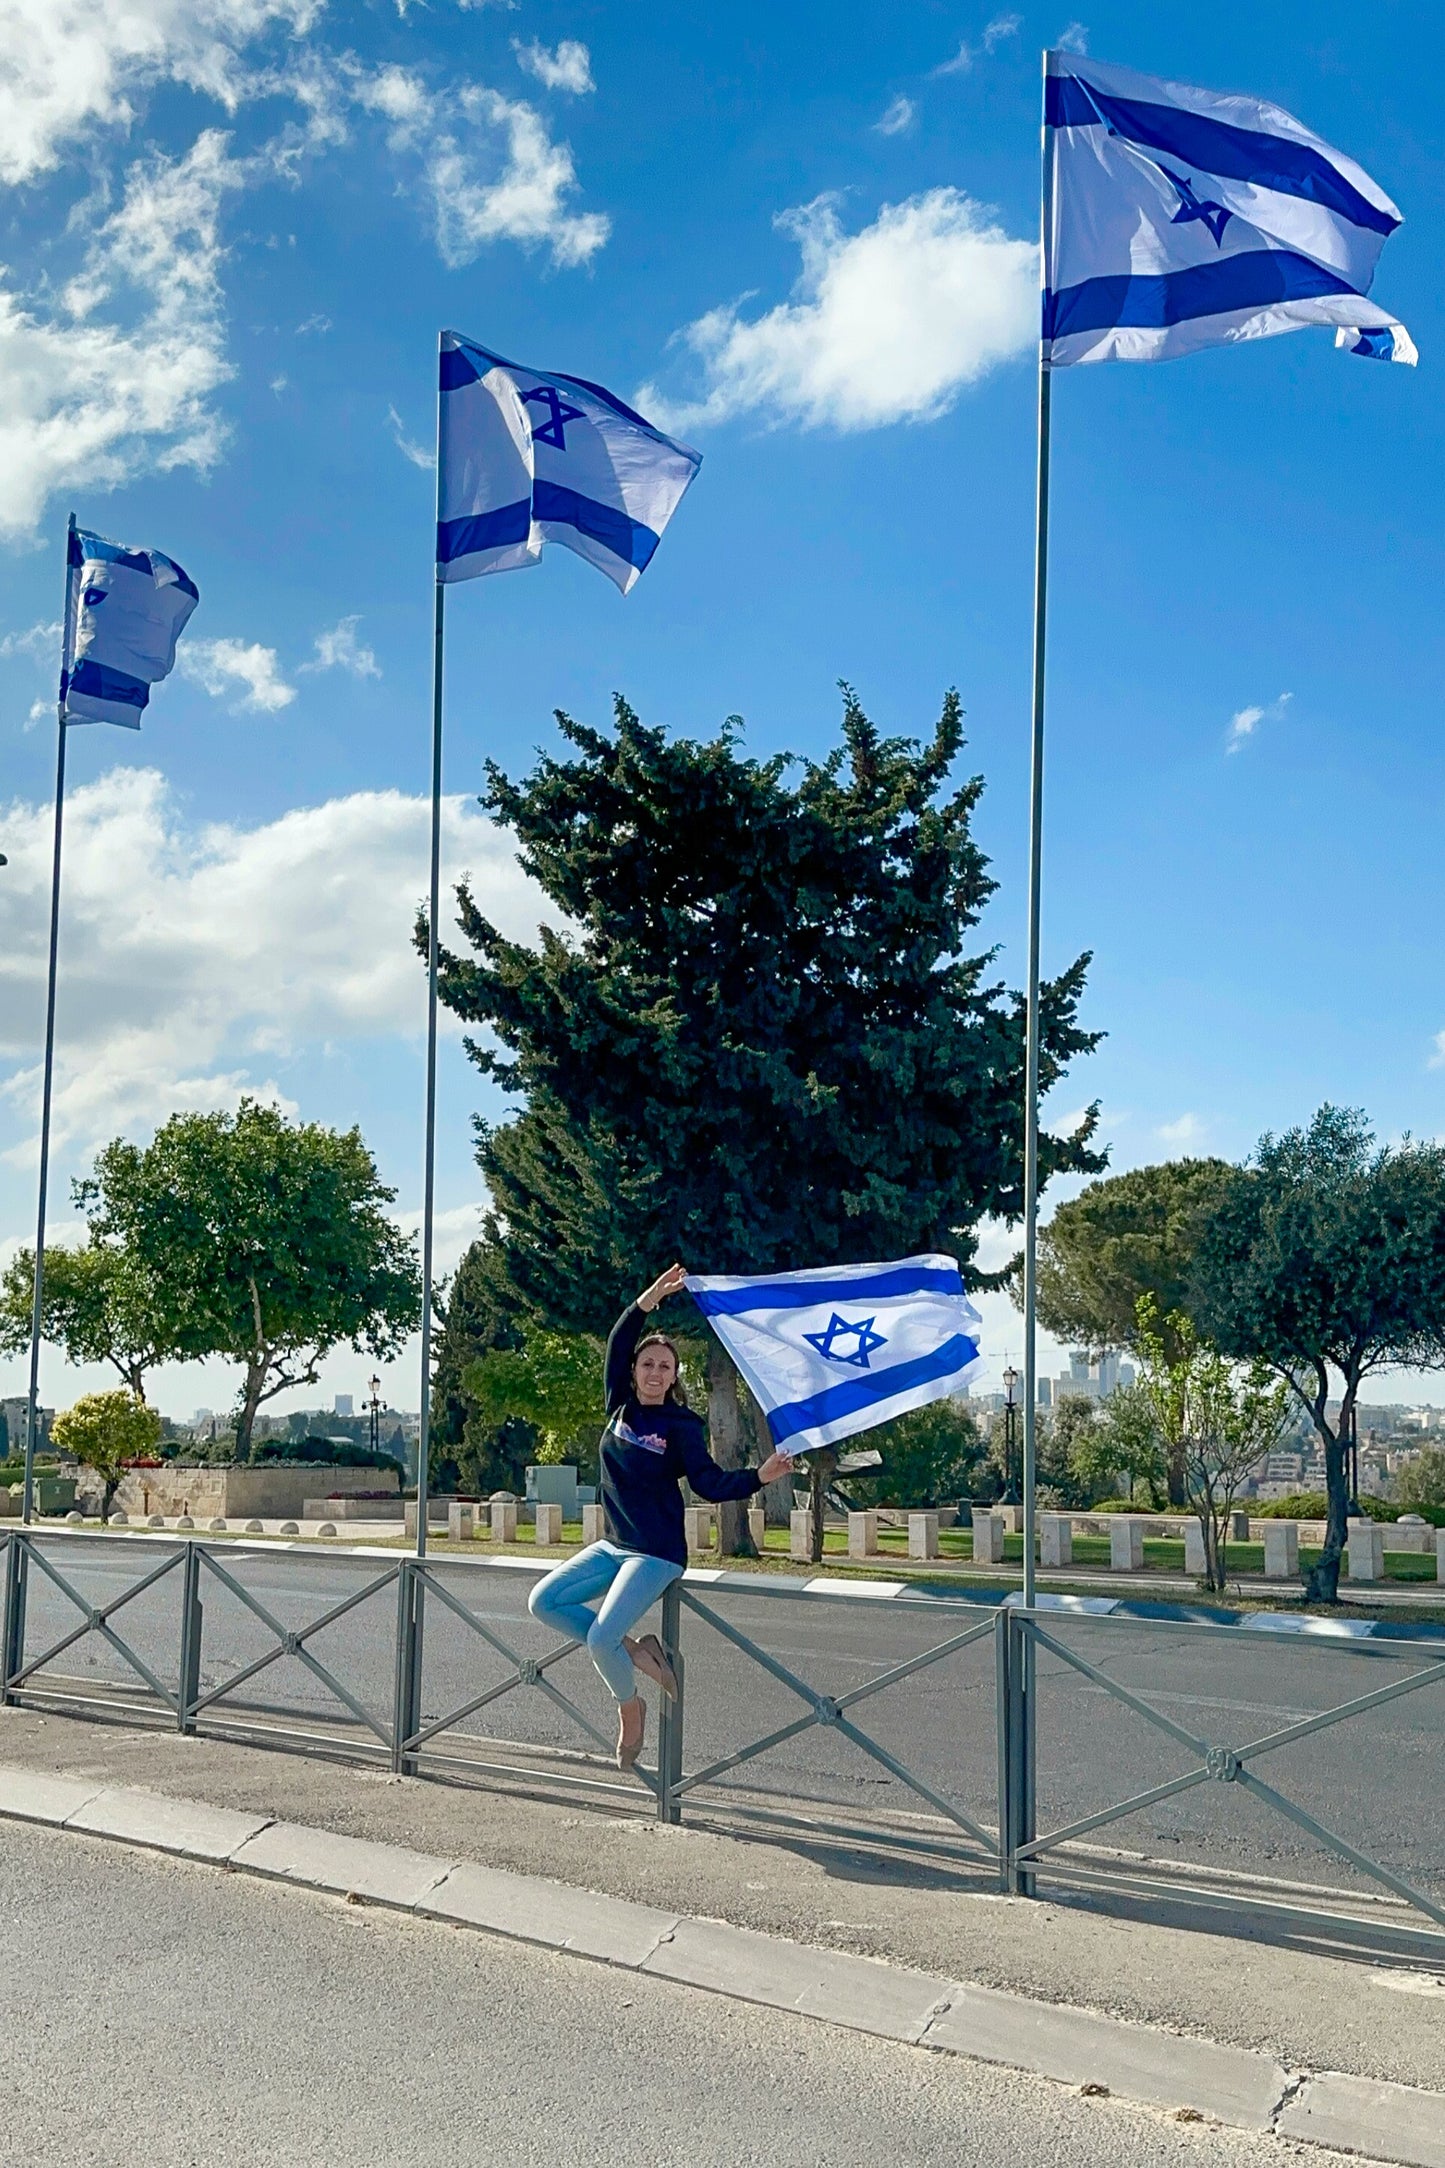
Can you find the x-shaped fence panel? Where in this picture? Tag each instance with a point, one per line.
(29, 1555)
(1217, 1762)
(293, 1641)
(521, 1673)
(831, 1712)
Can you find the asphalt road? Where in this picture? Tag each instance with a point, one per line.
(1375, 1780)
(166, 2013)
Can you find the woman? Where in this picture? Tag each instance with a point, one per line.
(651, 1442)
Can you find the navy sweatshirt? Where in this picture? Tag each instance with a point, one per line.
(647, 1451)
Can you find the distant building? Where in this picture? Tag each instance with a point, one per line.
(344, 1404)
(14, 1411)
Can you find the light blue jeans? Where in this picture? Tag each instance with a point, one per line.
(632, 1581)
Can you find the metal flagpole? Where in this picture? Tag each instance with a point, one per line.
(1036, 835)
(434, 911)
(32, 1405)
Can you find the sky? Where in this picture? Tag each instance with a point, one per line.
(805, 240)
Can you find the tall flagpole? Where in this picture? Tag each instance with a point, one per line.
(424, 1441)
(32, 1405)
(1036, 837)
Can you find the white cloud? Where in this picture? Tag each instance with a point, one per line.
(420, 455)
(1002, 26)
(219, 666)
(1189, 1129)
(40, 642)
(70, 66)
(189, 952)
(568, 68)
(1437, 1059)
(340, 649)
(1244, 723)
(318, 325)
(278, 385)
(885, 325)
(87, 403)
(898, 119)
(1073, 39)
(489, 165)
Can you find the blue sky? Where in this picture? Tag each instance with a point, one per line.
(231, 230)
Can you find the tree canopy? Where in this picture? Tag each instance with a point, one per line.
(267, 1241)
(104, 1431)
(1326, 1255)
(766, 1035)
(1128, 1236)
(97, 1304)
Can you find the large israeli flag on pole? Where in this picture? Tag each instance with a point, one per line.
(125, 610)
(1183, 218)
(527, 457)
(827, 1354)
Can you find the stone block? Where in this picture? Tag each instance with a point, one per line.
(74, 1519)
(1281, 1550)
(1365, 1551)
(1409, 1533)
(1239, 1527)
(185, 1523)
(923, 1535)
(549, 1525)
(757, 1526)
(217, 1527)
(987, 1538)
(1126, 1543)
(436, 1514)
(156, 1520)
(290, 1528)
(863, 1534)
(800, 1535)
(120, 1520)
(504, 1520)
(460, 1517)
(697, 1526)
(1012, 1518)
(1056, 1539)
(254, 1528)
(594, 1524)
(326, 1528)
(1194, 1558)
(1440, 1554)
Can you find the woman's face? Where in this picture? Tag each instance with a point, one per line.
(654, 1374)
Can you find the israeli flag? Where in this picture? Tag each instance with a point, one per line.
(526, 457)
(827, 1354)
(125, 610)
(1183, 218)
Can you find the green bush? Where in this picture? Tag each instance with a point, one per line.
(1315, 1506)
(320, 1453)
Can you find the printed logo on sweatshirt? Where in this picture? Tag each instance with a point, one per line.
(629, 1436)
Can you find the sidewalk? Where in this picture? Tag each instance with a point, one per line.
(1240, 2027)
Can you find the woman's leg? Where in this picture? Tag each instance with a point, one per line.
(559, 1598)
(635, 1588)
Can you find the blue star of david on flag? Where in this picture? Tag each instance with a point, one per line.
(839, 1328)
(551, 431)
(1213, 215)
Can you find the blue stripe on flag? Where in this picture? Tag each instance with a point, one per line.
(1216, 146)
(808, 1294)
(483, 531)
(625, 538)
(1153, 301)
(98, 682)
(457, 371)
(838, 1400)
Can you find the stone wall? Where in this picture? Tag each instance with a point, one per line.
(275, 1490)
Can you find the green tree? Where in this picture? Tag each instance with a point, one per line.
(1326, 1256)
(104, 1431)
(474, 1316)
(267, 1241)
(1221, 1419)
(554, 1383)
(98, 1305)
(1420, 1485)
(930, 1457)
(1122, 1445)
(766, 1033)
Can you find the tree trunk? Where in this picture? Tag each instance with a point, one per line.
(725, 1436)
(1322, 1582)
(250, 1402)
(1176, 1478)
(777, 1496)
(815, 1499)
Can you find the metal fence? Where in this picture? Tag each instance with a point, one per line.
(1082, 1742)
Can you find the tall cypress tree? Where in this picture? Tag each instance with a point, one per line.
(763, 1040)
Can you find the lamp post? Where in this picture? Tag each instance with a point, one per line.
(375, 1405)
(1010, 1417)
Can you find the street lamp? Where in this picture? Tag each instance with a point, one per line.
(1010, 1416)
(375, 1405)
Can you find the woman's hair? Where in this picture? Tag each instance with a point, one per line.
(675, 1392)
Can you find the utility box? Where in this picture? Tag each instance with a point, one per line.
(554, 1483)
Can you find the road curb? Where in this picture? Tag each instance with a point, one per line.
(1140, 2063)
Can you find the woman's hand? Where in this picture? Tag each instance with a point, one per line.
(668, 1283)
(775, 1465)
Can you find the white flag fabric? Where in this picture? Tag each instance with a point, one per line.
(526, 457)
(125, 610)
(1184, 218)
(827, 1354)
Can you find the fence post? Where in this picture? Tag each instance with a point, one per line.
(192, 1611)
(1021, 1754)
(406, 1699)
(12, 1641)
(670, 1720)
(1001, 1712)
